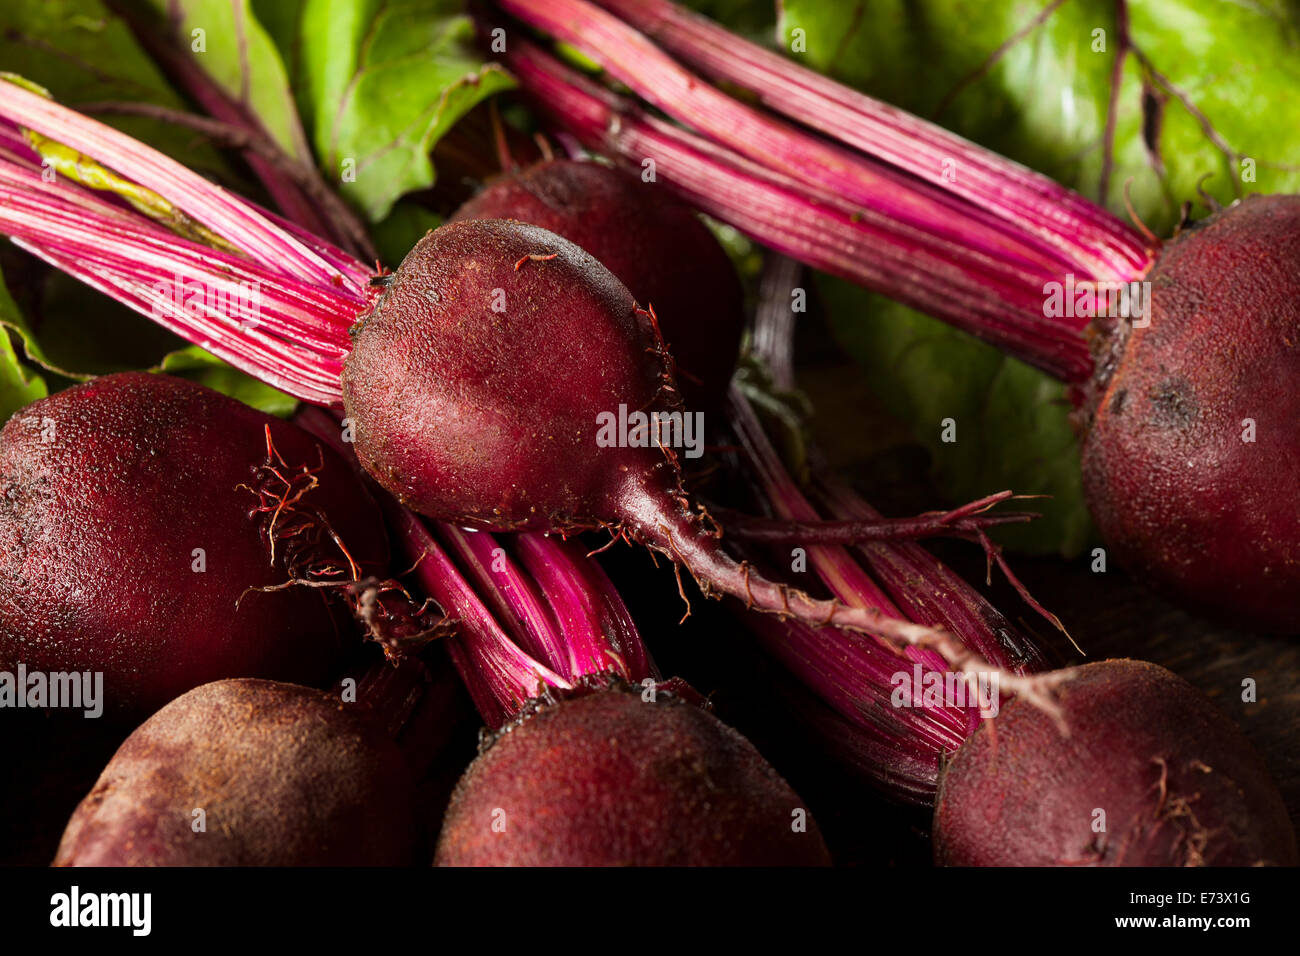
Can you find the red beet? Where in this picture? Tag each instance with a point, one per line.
(1186, 503)
(503, 379)
(858, 188)
(469, 413)
(1177, 783)
(108, 489)
(284, 775)
(609, 779)
(657, 247)
(483, 386)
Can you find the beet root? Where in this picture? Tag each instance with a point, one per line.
(284, 776)
(493, 384)
(1191, 462)
(130, 538)
(1151, 774)
(475, 383)
(657, 247)
(609, 779)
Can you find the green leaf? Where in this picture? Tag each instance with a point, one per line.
(382, 81)
(18, 386)
(203, 367)
(400, 230)
(82, 53)
(1227, 68)
(1010, 424)
(228, 42)
(1043, 101)
(78, 333)
(754, 20)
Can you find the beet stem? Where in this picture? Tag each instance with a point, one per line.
(934, 524)
(227, 215)
(597, 632)
(507, 591)
(857, 244)
(1096, 242)
(977, 253)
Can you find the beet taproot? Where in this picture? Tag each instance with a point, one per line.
(1151, 774)
(132, 540)
(494, 384)
(1191, 459)
(610, 779)
(249, 773)
(475, 383)
(656, 246)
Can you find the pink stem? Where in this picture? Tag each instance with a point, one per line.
(499, 675)
(1095, 243)
(287, 331)
(225, 214)
(839, 174)
(860, 245)
(597, 630)
(508, 591)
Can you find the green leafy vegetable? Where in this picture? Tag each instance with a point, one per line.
(1007, 424)
(230, 45)
(379, 83)
(754, 20)
(1204, 90)
(82, 53)
(203, 367)
(18, 385)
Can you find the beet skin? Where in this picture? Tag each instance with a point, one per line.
(109, 488)
(609, 779)
(476, 381)
(657, 247)
(284, 775)
(1191, 463)
(1177, 783)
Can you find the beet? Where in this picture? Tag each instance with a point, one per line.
(609, 779)
(110, 486)
(490, 417)
(857, 188)
(502, 378)
(476, 388)
(656, 246)
(1183, 500)
(1178, 783)
(285, 775)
